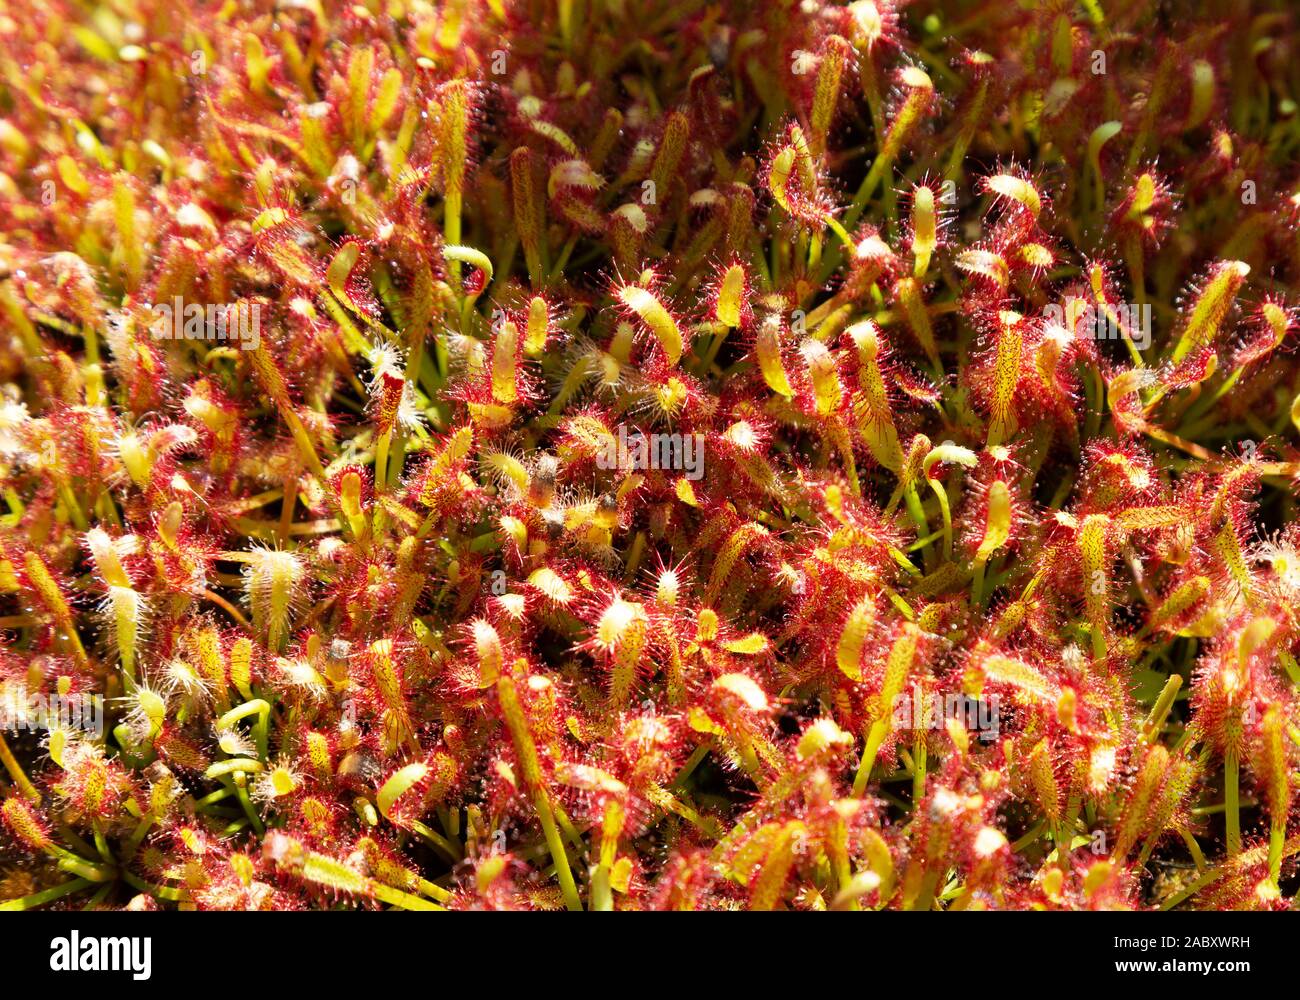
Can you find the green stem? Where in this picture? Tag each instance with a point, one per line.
(1232, 802)
(1276, 841)
(563, 259)
(381, 460)
(875, 737)
(249, 811)
(556, 847)
(941, 495)
(602, 897)
(977, 582)
(920, 759)
(45, 896)
(447, 847)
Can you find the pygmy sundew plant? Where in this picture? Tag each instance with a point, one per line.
(534, 454)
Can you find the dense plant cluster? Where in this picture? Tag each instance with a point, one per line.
(648, 455)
